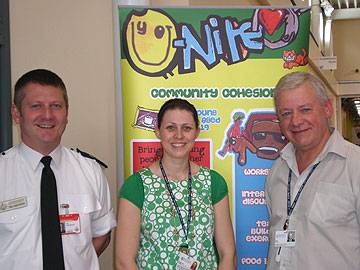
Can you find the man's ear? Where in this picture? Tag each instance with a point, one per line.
(15, 113)
(328, 107)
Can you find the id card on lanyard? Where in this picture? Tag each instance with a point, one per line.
(186, 262)
(285, 237)
(69, 222)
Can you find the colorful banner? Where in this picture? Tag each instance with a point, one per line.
(226, 62)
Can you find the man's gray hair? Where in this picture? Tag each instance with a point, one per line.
(296, 79)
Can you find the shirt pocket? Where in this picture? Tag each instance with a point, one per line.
(86, 206)
(333, 205)
(19, 226)
(81, 203)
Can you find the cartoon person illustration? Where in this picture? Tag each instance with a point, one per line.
(237, 140)
(234, 132)
(260, 135)
(242, 144)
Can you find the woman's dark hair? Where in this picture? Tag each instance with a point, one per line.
(177, 103)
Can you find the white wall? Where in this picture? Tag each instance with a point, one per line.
(74, 39)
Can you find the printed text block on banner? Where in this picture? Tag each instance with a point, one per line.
(145, 152)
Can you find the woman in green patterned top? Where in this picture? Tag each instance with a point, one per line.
(175, 214)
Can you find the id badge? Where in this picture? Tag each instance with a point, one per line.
(285, 238)
(70, 224)
(186, 262)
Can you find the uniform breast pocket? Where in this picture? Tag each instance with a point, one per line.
(19, 226)
(84, 206)
(333, 205)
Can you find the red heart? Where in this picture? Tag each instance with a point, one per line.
(270, 19)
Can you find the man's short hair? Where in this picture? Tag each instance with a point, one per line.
(40, 76)
(296, 79)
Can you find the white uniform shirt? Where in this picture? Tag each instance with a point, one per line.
(80, 183)
(327, 214)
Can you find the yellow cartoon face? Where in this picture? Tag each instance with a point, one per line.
(149, 39)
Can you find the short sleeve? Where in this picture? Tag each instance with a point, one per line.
(133, 190)
(218, 187)
(104, 219)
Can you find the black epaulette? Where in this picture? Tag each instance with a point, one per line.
(87, 155)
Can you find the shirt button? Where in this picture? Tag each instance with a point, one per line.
(13, 218)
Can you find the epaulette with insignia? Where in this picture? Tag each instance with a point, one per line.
(87, 155)
(7, 151)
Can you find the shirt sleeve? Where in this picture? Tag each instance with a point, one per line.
(218, 187)
(102, 221)
(133, 190)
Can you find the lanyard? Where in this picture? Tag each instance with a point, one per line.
(291, 206)
(185, 229)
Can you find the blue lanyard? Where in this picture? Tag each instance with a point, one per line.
(291, 206)
(185, 229)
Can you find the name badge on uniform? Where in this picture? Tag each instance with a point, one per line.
(13, 204)
(186, 262)
(70, 224)
(285, 238)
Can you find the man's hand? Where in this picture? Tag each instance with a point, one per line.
(101, 242)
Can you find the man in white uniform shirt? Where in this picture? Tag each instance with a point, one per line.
(313, 189)
(41, 110)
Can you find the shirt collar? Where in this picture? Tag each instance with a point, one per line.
(335, 144)
(56, 155)
(33, 157)
(288, 154)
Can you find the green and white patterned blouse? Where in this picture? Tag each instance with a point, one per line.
(161, 231)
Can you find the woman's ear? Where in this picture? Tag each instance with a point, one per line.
(197, 132)
(157, 133)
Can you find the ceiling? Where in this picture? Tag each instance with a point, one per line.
(344, 9)
(345, 4)
(345, 17)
